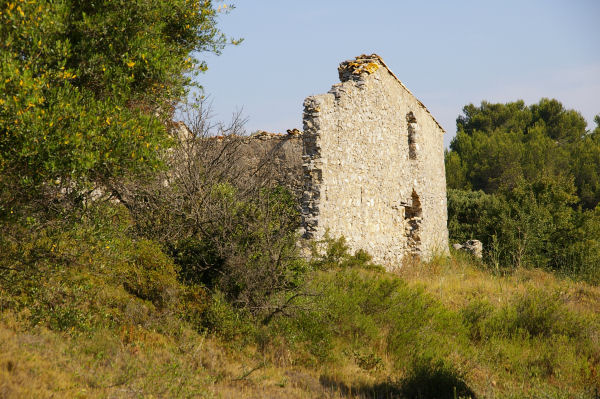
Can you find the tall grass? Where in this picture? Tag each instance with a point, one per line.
(105, 315)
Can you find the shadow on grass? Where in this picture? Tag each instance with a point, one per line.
(385, 390)
(434, 380)
(426, 380)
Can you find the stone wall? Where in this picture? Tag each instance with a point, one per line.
(268, 158)
(262, 159)
(369, 165)
(373, 163)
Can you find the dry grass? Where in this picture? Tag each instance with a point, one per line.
(138, 363)
(526, 366)
(131, 361)
(456, 281)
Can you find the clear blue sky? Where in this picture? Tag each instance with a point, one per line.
(448, 53)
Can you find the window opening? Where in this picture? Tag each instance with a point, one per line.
(412, 135)
(413, 215)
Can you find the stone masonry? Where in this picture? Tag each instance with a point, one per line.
(373, 164)
(369, 165)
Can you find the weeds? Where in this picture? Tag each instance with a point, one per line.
(118, 312)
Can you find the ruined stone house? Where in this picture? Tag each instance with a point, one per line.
(374, 165)
(369, 165)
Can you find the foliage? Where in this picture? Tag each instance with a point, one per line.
(87, 88)
(581, 257)
(227, 322)
(533, 314)
(330, 253)
(531, 225)
(258, 245)
(523, 181)
(85, 276)
(469, 214)
(499, 144)
(224, 227)
(131, 298)
(249, 250)
(364, 331)
(360, 307)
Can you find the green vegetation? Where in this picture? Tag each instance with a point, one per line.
(122, 324)
(525, 181)
(86, 90)
(132, 266)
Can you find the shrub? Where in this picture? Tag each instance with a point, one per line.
(474, 315)
(148, 273)
(531, 225)
(330, 253)
(87, 273)
(535, 313)
(469, 215)
(581, 257)
(360, 310)
(226, 321)
(87, 88)
(256, 261)
(226, 234)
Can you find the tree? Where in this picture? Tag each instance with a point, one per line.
(86, 89)
(228, 226)
(497, 145)
(539, 172)
(586, 167)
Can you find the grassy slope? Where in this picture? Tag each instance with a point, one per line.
(558, 364)
(496, 352)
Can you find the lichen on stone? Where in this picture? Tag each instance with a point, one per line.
(359, 67)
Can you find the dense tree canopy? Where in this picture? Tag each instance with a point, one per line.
(499, 144)
(86, 88)
(526, 181)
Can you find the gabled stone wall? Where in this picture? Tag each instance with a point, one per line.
(369, 165)
(373, 162)
(259, 160)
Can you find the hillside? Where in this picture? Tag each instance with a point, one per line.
(361, 333)
(139, 262)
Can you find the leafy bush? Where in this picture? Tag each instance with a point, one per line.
(87, 274)
(148, 273)
(470, 214)
(581, 257)
(226, 321)
(87, 88)
(251, 255)
(536, 171)
(474, 314)
(534, 336)
(362, 309)
(230, 234)
(532, 226)
(535, 313)
(330, 253)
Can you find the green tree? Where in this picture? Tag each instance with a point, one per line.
(86, 89)
(537, 167)
(498, 144)
(528, 225)
(585, 163)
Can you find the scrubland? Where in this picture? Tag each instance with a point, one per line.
(117, 322)
(137, 262)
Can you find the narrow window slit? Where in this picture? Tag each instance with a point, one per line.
(412, 135)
